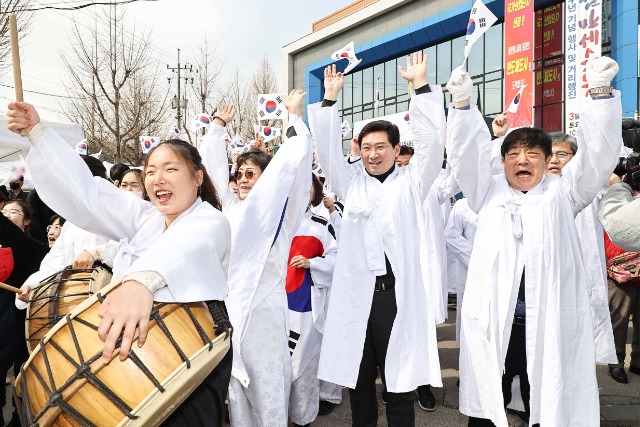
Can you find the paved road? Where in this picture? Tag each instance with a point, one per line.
(619, 403)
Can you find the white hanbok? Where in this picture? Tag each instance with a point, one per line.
(460, 233)
(381, 218)
(535, 230)
(263, 226)
(191, 255)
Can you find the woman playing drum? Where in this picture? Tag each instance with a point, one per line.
(174, 248)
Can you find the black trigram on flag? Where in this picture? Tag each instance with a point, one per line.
(293, 341)
(262, 100)
(474, 11)
(482, 22)
(278, 113)
(261, 113)
(279, 100)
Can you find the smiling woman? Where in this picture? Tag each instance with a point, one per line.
(173, 249)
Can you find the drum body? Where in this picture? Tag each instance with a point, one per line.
(65, 382)
(57, 295)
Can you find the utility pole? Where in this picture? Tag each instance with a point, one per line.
(180, 102)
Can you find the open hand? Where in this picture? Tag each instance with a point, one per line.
(333, 83)
(416, 71)
(258, 144)
(124, 309)
(226, 113)
(294, 102)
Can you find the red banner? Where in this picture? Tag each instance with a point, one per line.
(519, 21)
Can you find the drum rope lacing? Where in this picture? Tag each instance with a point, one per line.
(83, 371)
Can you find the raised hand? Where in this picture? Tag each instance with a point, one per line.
(226, 113)
(355, 148)
(460, 85)
(258, 144)
(21, 115)
(500, 125)
(295, 102)
(333, 83)
(416, 71)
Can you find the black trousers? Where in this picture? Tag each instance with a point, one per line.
(515, 364)
(364, 403)
(205, 406)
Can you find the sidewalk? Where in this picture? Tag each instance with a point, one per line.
(619, 403)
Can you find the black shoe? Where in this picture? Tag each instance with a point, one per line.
(426, 399)
(618, 374)
(298, 425)
(634, 370)
(325, 408)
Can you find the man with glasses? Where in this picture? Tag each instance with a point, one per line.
(381, 310)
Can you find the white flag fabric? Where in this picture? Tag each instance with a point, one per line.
(515, 103)
(201, 121)
(148, 142)
(176, 132)
(18, 169)
(376, 104)
(236, 140)
(345, 128)
(480, 21)
(97, 155)
(267, 133)
(82, 148)
(348, 52)
(270, 106)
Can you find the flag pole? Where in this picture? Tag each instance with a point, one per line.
(15, 57)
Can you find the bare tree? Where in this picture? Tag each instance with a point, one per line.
(264, 80)
(24, 23)
(115, 86)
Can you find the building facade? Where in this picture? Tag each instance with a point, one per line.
(386, 31)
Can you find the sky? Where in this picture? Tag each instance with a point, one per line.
(241, 30)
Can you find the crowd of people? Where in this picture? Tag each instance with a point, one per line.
(333, 279)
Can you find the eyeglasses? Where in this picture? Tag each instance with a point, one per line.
(11, 212)
(562, 154)
(379, 148)
(248, 173)
(53, 227)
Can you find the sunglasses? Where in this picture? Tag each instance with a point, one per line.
(248, 173)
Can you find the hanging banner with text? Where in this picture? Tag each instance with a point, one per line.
(583, 30)
(518, 58)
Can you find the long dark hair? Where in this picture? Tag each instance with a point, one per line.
(188, 153)
(27, 214)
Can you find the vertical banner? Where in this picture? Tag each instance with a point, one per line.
(583, 30)
(519, 23)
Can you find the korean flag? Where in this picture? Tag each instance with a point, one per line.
(82, 148)
(480, 20)
(266, 133)
(270, 106)
(515, 103)
(201, 121)
(148, 142)
(345, 128)
(348, 52)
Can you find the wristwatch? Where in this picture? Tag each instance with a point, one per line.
(601, 90)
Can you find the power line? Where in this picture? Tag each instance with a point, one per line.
(82, 6)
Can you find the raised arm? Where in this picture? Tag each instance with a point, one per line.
(468, 141)
(213, 149)
(325, 126)
(427, 124)
(67, 186)
(599, 137)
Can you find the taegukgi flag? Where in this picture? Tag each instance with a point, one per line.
(515, 103)
(201, 121)
(270, 106)
(480, 21)
(348, 52)
(82, 148)
(175, 132)
(267, 133)
(345, 128)
(148, 142)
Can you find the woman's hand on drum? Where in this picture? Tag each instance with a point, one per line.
(124, 309)
(83, 260)
(24, 295)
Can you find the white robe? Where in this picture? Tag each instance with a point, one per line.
(262, 226)
(381, 218)
(536, 230)
(460, 233)
(591, 236)
(191, 255)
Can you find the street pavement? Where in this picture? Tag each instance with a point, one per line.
(619, 403)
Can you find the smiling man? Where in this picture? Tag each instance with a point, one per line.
(526, 308)
(381, 313)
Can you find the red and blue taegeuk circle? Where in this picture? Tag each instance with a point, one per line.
(270, 106)
(471, 27)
